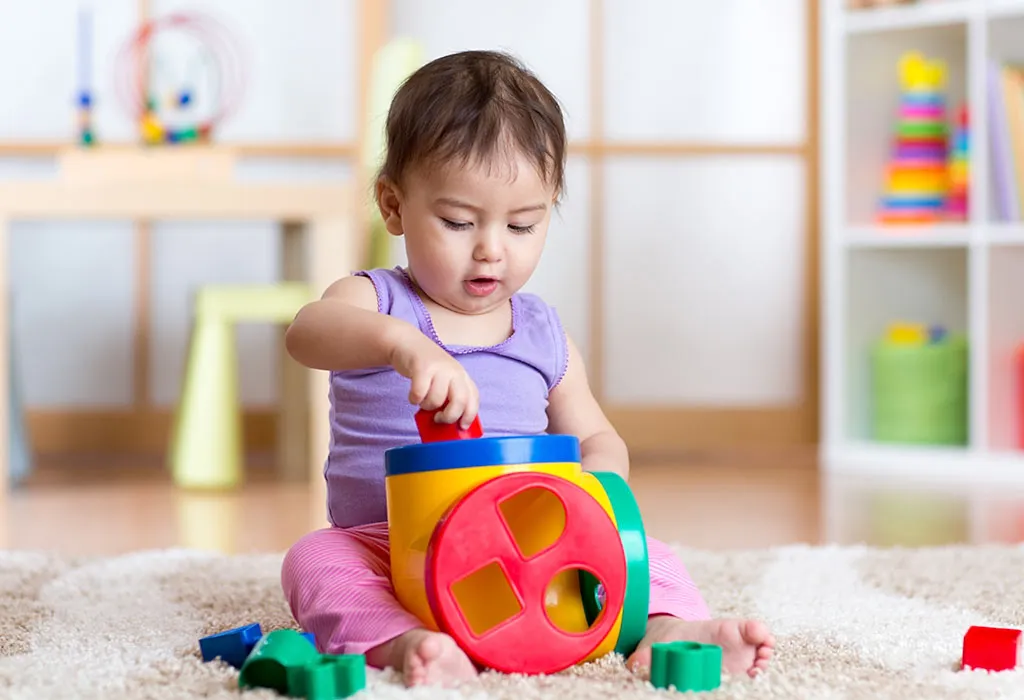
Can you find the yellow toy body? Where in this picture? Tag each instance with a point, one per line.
(417, 501)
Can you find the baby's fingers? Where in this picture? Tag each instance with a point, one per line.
(472, 406)
(437, 394)
(419, 387)
(456, 406)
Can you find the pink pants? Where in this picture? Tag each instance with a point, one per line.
(338, 585)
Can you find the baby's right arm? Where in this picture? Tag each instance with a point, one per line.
(343, 330)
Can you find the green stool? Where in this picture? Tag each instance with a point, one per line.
(206, 445)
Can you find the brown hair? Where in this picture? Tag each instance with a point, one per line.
(471, 105)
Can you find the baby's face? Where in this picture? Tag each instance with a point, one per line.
(474, 234)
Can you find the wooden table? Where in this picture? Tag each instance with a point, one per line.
(195, 183)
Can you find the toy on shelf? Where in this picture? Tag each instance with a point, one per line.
(531, 564)
(916, 179)
(991, 649)
(1018, 368)
(919, 386)
(86, 135)
(188, 111)
(959, 169)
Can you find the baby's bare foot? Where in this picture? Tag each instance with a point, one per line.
(747, 645)
(429, 658)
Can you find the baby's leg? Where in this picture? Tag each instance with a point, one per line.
(678, 612)
(338, 585)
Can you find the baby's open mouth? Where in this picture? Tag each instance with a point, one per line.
(481, 286)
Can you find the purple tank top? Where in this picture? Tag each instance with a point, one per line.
(370, 410)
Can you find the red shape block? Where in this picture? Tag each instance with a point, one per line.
(473, 534)
(991, 648)
(432, 431)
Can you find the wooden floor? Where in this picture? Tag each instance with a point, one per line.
(100, 506)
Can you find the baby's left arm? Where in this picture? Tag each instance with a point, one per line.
(573, 410)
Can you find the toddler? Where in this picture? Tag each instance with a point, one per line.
(473, 169)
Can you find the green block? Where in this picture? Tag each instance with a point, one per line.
(285, 661)
(919, 392)
(686, 666)
(270, 662)
(328, 678)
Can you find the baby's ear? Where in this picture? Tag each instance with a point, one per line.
(389, 202)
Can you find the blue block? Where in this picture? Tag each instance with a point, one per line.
(233, 646)
(310, 637)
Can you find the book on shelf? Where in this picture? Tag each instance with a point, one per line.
(1006, 137)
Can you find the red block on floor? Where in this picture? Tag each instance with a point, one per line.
(430, 431)
(991, 648)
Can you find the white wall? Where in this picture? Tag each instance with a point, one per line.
(705, 256)
(73, 283)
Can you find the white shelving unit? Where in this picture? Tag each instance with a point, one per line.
(969, 276)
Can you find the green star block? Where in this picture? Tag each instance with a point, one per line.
(285, 661)
(686, 666)
(328, 678)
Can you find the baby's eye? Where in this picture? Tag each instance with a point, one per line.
(455, 225)
(522, 229)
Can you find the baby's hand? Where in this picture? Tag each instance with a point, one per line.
(438, 379)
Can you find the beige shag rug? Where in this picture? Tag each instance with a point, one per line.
(850, 622)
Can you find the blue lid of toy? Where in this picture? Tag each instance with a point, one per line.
(481, 452)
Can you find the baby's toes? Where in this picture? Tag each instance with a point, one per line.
(640, 659)
(756, 632)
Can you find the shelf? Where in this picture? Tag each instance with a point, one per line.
(1005, 338)
(863, 455)
(897, 237)
(895, 463)
(964, 276)
(923, 14)
(873, 83)
(884, 286)
(1004, 48)
(1004, 9)
(1005, 234)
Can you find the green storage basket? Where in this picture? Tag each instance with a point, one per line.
(919, 392)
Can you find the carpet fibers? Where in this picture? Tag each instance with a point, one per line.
(851, 622)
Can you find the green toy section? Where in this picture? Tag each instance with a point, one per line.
(638, 579)
(919, 386)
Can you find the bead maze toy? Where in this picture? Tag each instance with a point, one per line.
(83, 100)
(192, 110)
(916, 179)
(531, 564)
